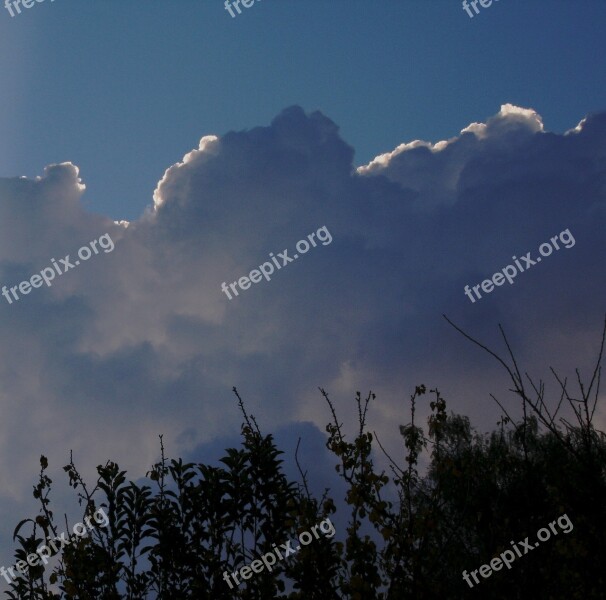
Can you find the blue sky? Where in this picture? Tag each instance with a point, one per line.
(124, 89)
(222, 140)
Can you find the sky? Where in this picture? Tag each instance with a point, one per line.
(124, 89)
(403, 151)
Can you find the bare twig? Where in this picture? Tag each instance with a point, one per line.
(391, 460)
(303, 474)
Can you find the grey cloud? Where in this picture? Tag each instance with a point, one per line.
(141, 341)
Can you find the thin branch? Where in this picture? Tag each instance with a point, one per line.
(515, 364)
(241, 405)
(391, 460)
(596, 392)
(506, 413)
(303, 474)
(505, 365)
(334, 414)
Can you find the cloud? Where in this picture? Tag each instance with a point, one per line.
(142, 341)
(433, 171)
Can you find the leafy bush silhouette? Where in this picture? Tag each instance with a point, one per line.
(457, 501)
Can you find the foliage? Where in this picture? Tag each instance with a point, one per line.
(457, 501)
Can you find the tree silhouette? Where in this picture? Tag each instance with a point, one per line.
(411, 530)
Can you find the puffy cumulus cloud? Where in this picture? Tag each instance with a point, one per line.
(28, 206)
(142, 341)
(433, 171)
